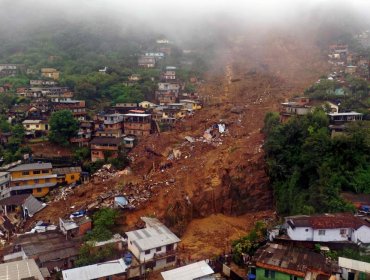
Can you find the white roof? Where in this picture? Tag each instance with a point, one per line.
(19, 270)
(188, 272)
(95, 271)
(355, 265)
(136, 115)
(31, 121)
(152, 237)
(345, 114)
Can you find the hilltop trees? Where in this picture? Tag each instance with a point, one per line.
(62, 127)
(309, 169)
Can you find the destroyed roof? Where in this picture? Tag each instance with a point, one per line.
(292, 260)
(189, 272)
(105, 141)
(50, 245)
(32, 166)
(152, 237)
(24, 269)
(328, 221)
(95, 271)
(28, 201)
(67, 170)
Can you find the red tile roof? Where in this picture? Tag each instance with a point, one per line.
(330, 221)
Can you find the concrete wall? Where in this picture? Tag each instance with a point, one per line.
(331, 235)
(362, 234)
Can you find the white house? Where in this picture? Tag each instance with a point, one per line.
(328, 228)
(199, 271)
(153, 246)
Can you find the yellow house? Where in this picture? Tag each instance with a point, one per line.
(50, 73)
(191, 104)
(147, 105)
(68, 175)
(35, 178)
(35, 126)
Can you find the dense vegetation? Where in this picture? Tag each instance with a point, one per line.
(63, 126)
(308, 169)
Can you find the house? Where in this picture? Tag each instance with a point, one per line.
(68, 175)
(129, 142)
(47, 83)
(10, 70)
(77, 107)
(195, 271)
(338, 227)
(190, 104)
(169, 87)
(146, 61)
(137, 124)
(36, 128)
(157, 55)
(4, 137)
(164, 98)
(338, 121)
(153, 246)
(50, 73)
(298, 106)
(104, 70)
(4, 183)
(26, 204)
(24, 269)
(84, 134)
(76, 227)
(115, 269)
(102, 147)
(350, 69)
(134, 77)
(275, 261)
(20, 112)
(112, 126)
(49, 249)
(169, 74)
(353, 269)
(147, 105)
(35, 178)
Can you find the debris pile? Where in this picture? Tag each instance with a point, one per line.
(106, 172)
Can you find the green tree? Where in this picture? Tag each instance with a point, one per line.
(62, 127)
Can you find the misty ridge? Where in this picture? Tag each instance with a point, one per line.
(182, 21)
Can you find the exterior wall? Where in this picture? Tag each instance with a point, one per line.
(36, 127)
(331, 235)
(260, 275)
(133, 249)
(40, 192)
(138, 129)
(83, 228)
(362, 234)
(99, 154)
(302, 234)
(72, 177)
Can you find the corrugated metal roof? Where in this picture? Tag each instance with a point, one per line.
(33, 205)
(27, 178)
(67, 170)
(152, 237)
(189, 272)
(32, 166)
(20, 270)
(355, 265)
(95, 271)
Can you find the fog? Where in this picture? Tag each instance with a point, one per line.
(183, 20)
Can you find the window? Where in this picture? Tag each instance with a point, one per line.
(306, 229)
(158, 249)
(171, 259)
(45, 171)
(39, 190)
(47, 180)
(269, 274)
(321, 231)
(147, 252)
(293, 277)
(169, 247)
(343, 231)
(72, 177)
(36, 181)
(25, 173)
(36, 172)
